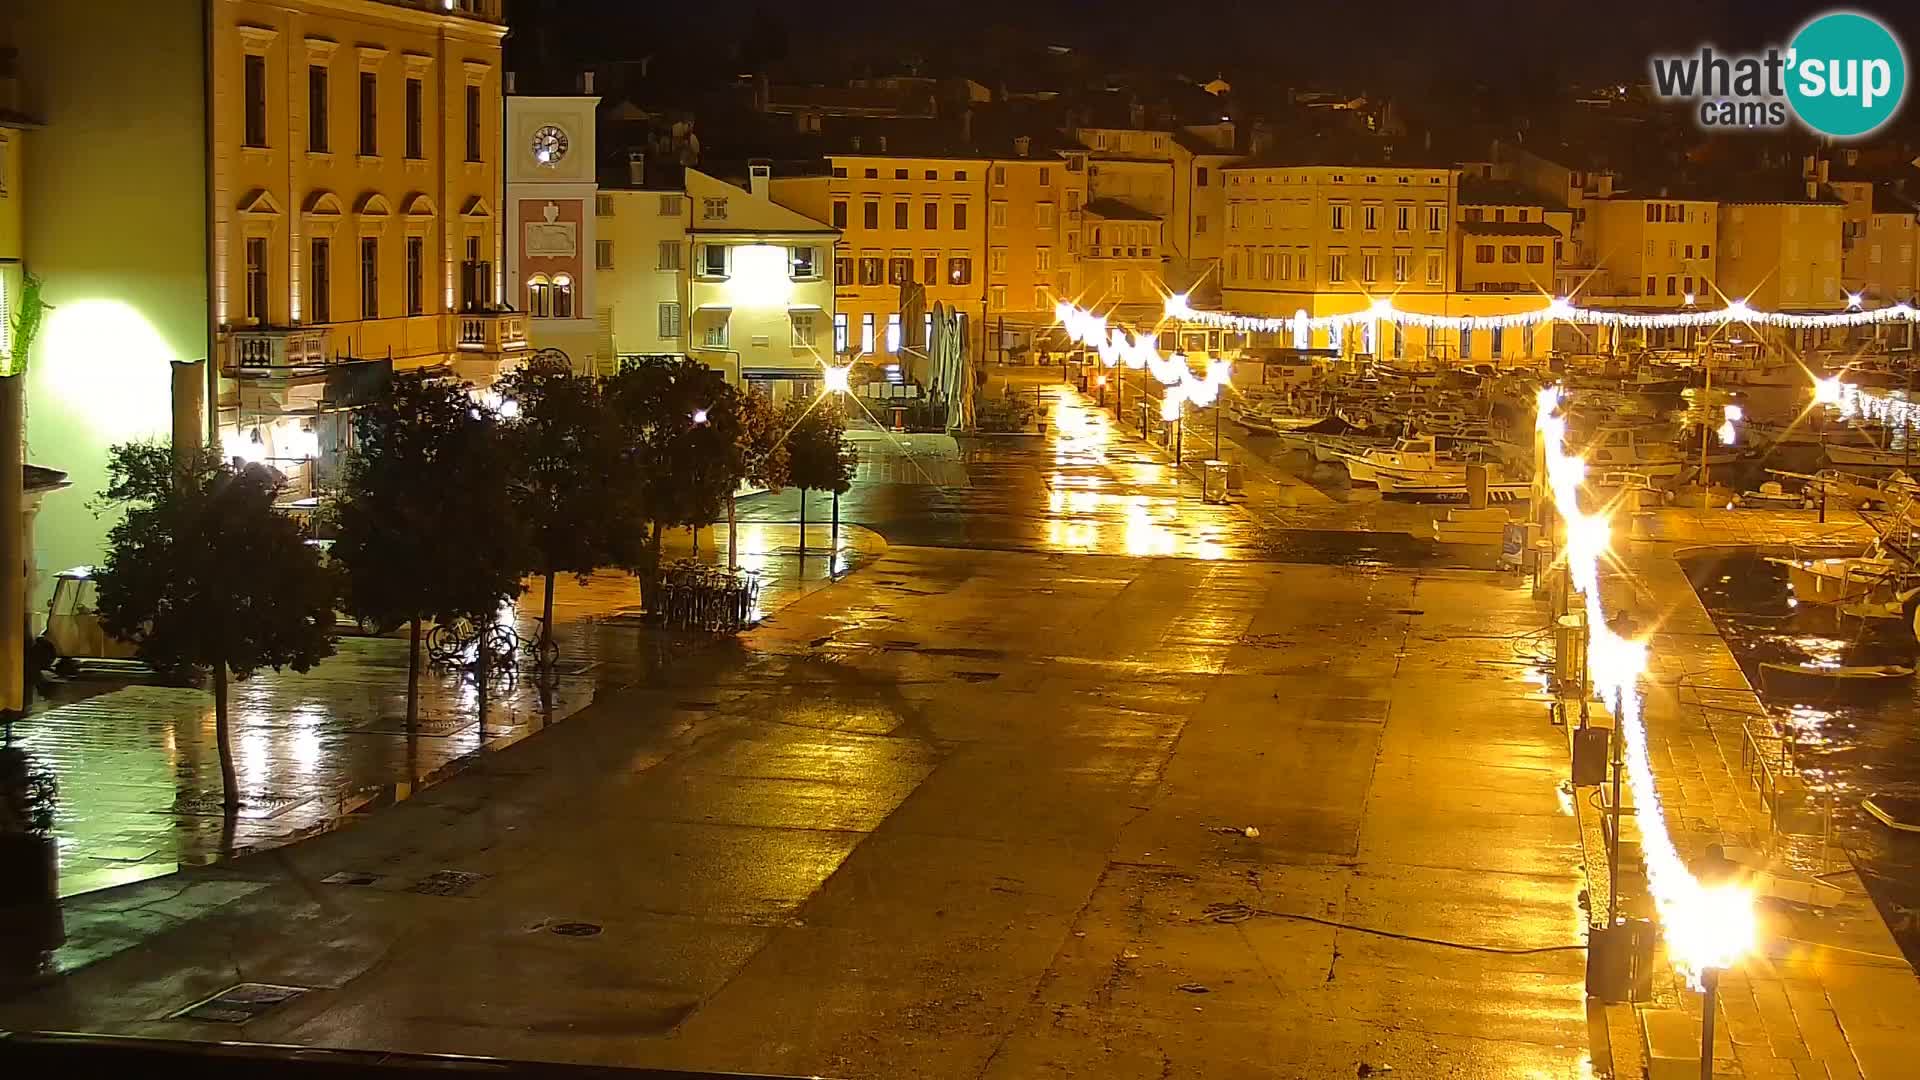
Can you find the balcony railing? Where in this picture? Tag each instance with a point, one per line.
(492, 332)
(261, 349)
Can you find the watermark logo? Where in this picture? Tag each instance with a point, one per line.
(1843, 75)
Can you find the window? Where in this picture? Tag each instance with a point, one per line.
(1673, 248)
(926, 328)
(997, 260)
(715, 334)
(416, 274)
(1653, 211)
(803, 264)
(960, 174)
(870, 270)
(1370, 218)
(473, 123)
(1402, 268)
(1483, 253)
(416, 120)
(893, 332)
(713, 260)
(1493, 342)
(1046, 177)
(930, 215)
(1434, 264)
(1500, 214)
(369, 114)
(899, 270)
(873, 174)
(256, 103)
(1473, 213)
(369, 277)
(900, 215)
(670, 320)
(1466, 343)
(603, 254)
(997, 298)
(997, 215)
(960, 270)
(603, 206)
(476, 277)
(1510, 253)
(1336, 268)
(1689, 250)
(1536, 253)
(1118, 287)
(930, 270)
(669, 206)
(999, 176)
(1706, 251)
(959, 215)
(1199, 224)
(1043, 258)
(840, 332)
(1686, 284)
(843, 270)
(1403, 218)
(802, 328)
(899, 174)
(1653, 286)
(539, 296)
(1200, 177)
(317, 134)
(320, 281)
(1436, 218)
(1369, 263)
(933, 174)
(866, 332)
(1673, 285)
(669, 255)
(1043, 215)
(870, 215)
(562, 296)
(713, 209)
(839, 213)
(257, 279)
(1339, 220)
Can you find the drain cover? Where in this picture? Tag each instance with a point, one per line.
(240, 1003)
(576, 929)
(447, 883)
(349, 877)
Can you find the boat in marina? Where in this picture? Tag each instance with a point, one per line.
(1833, 678)
(1870, 578)
(1412, 460)
(1899, 813)
(1497, 491)
(1633, 448)
(1868, 457)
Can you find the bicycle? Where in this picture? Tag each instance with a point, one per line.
(448, 641)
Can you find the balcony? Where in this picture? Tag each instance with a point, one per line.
(484, 10)
(270, 350)
(488, 343)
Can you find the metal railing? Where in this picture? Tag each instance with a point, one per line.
(1792, 803)
(36, 1053)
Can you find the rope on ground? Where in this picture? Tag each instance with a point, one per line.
(1239, 913)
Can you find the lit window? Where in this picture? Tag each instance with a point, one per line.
(805, 266)
(893, 332)
(539, 296)
(715, 334)
(866, 332)
(840, 332)
(562, 296)
(713, 260)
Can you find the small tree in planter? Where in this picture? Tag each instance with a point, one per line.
(204, 574)
(30, 920)
(818, 457)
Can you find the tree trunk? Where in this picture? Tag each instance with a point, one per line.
(733, 540)
(546, 619)
(803, 522)
(229, 782)
(413, 671)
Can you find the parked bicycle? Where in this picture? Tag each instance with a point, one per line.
(709, 599)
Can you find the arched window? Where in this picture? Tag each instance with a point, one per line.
(562, 296)
(539, 296)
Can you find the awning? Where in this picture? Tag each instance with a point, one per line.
(713, 307)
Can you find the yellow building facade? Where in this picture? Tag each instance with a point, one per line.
(1651, 252)
(1784, 254)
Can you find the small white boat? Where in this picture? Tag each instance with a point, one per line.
(1628, 449)
(1413, 460)
(1869, 578)
(1832, 676)
(1771, 494)
(1896, 813)
(1867, 456)
(1497, 492)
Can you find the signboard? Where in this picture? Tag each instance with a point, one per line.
(1513, 545)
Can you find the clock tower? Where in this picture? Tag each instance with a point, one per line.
(551, 235)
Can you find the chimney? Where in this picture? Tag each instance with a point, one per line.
(586, 83)
(507, 86)
(637, 168)
(1021, 145)
(759, 180)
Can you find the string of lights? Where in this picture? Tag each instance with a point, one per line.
(1708, 927)
(1558, 309)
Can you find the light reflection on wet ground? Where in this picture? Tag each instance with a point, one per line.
(1860, 743)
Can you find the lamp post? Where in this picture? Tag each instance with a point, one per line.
(1710, 984)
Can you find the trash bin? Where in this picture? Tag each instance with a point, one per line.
(1213, 481)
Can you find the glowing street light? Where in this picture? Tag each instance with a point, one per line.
(699, 416)
(834, 380)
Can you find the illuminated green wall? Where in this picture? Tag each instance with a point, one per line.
(116, 198)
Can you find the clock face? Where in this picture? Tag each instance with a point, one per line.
(549, 145)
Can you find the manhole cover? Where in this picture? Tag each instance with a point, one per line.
(349, 877)
(447, 883)
(252, 808)
(576, 929)
(240, 1003)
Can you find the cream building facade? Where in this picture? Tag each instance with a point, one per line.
(553, 251)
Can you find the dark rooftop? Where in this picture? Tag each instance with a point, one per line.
(1508, 228)
(1115, 210)
(1487, 192)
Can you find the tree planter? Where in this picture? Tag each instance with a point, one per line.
(30, 920)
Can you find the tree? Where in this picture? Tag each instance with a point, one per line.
(561, 438)
(425, 520)
(684, 441)
(203, 572)
(819, 458)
